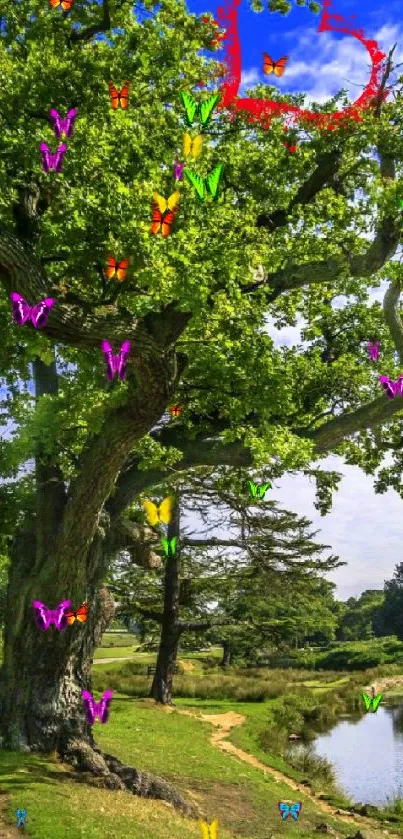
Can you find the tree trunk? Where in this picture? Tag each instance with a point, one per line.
(60, 553)
(161, 688)
(226, 660)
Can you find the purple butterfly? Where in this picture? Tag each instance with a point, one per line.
(392, 388)
(63, 126)
(44, 616)
(52, 161)
(116, 363)
(38, 314)
(178, 170)
(94, 709)
(373, 350)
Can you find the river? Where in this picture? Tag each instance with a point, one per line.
(367, 755)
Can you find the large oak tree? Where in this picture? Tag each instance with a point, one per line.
(288, 235)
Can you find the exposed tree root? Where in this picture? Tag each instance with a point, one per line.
(87, 757)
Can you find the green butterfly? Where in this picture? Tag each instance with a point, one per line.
(211, 183)
(204, 110)
(373, 701)
(258, 491)
(169, 546)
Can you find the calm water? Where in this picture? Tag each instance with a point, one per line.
(367, 755)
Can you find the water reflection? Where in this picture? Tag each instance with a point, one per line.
(367, 755)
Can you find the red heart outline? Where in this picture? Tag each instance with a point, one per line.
(263, 110)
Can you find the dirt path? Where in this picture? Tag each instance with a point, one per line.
(110, 660)
(223, 723)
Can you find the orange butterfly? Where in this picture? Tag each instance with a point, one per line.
(116, 269)
(276, 67)
(64, 4)
(175, 410)
(164, 212)
(121, 98)
(80, 615)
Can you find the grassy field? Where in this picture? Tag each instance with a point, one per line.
(243, 797)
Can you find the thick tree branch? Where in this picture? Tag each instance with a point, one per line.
(85, 325)
(327, 167)
(150, 614)
(89, 32)
(392, 317)
(335, 431)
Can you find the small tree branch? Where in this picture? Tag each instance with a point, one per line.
(89, 32)
(188, 626)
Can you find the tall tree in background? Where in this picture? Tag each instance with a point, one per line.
(259, 585)
(284, 239)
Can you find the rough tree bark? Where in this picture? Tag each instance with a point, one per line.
(226, 653)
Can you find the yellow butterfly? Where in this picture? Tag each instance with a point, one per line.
(156, 514)
(192, 148)
(166, 204)
(209, 831)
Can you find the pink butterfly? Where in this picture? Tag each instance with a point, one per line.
(52, 161)
(392, 388)
(38, 314)
(178, 170)
(63, 126)
(373, 350)
(94, 709)
(116, 363)
(44, 616)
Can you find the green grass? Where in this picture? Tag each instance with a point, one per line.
(113, 652)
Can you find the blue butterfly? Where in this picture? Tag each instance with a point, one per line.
(292, 810)
(21, 816)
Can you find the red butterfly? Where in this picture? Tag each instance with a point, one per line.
(276, 67)
(163, 212)
(80, 615)
(175, 410)
(64, 4)
(116, 269)
(121, 98)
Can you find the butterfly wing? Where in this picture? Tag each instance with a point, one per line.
(284, 810)
(58, 615)
(156, 223)
(207, 108)
(204, 829)
(151, 512)
(280, 65)
(43, 615)
(262, 490)
(213, 180)
(165, 545)
(167, 223)
(90, 707)
(160, 202)
(268, 64)
(40, 312)
(104, 706)
(57, 157)
(165, 509)
(214, 829)
(45, 156)
(187, 145)
(253, 488)
(367, 700)
(172, 546)
(197, 146)
(111, 266)
(295, 810)
(124, 97)
(389, 386)
(197, 182)
(56, 121)
(121, 359)
(190, 106)
(20, 309)
(68, 123)
(82, 613)
(121, 269)
(376, 701)
(173, 200)
(109, 359)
